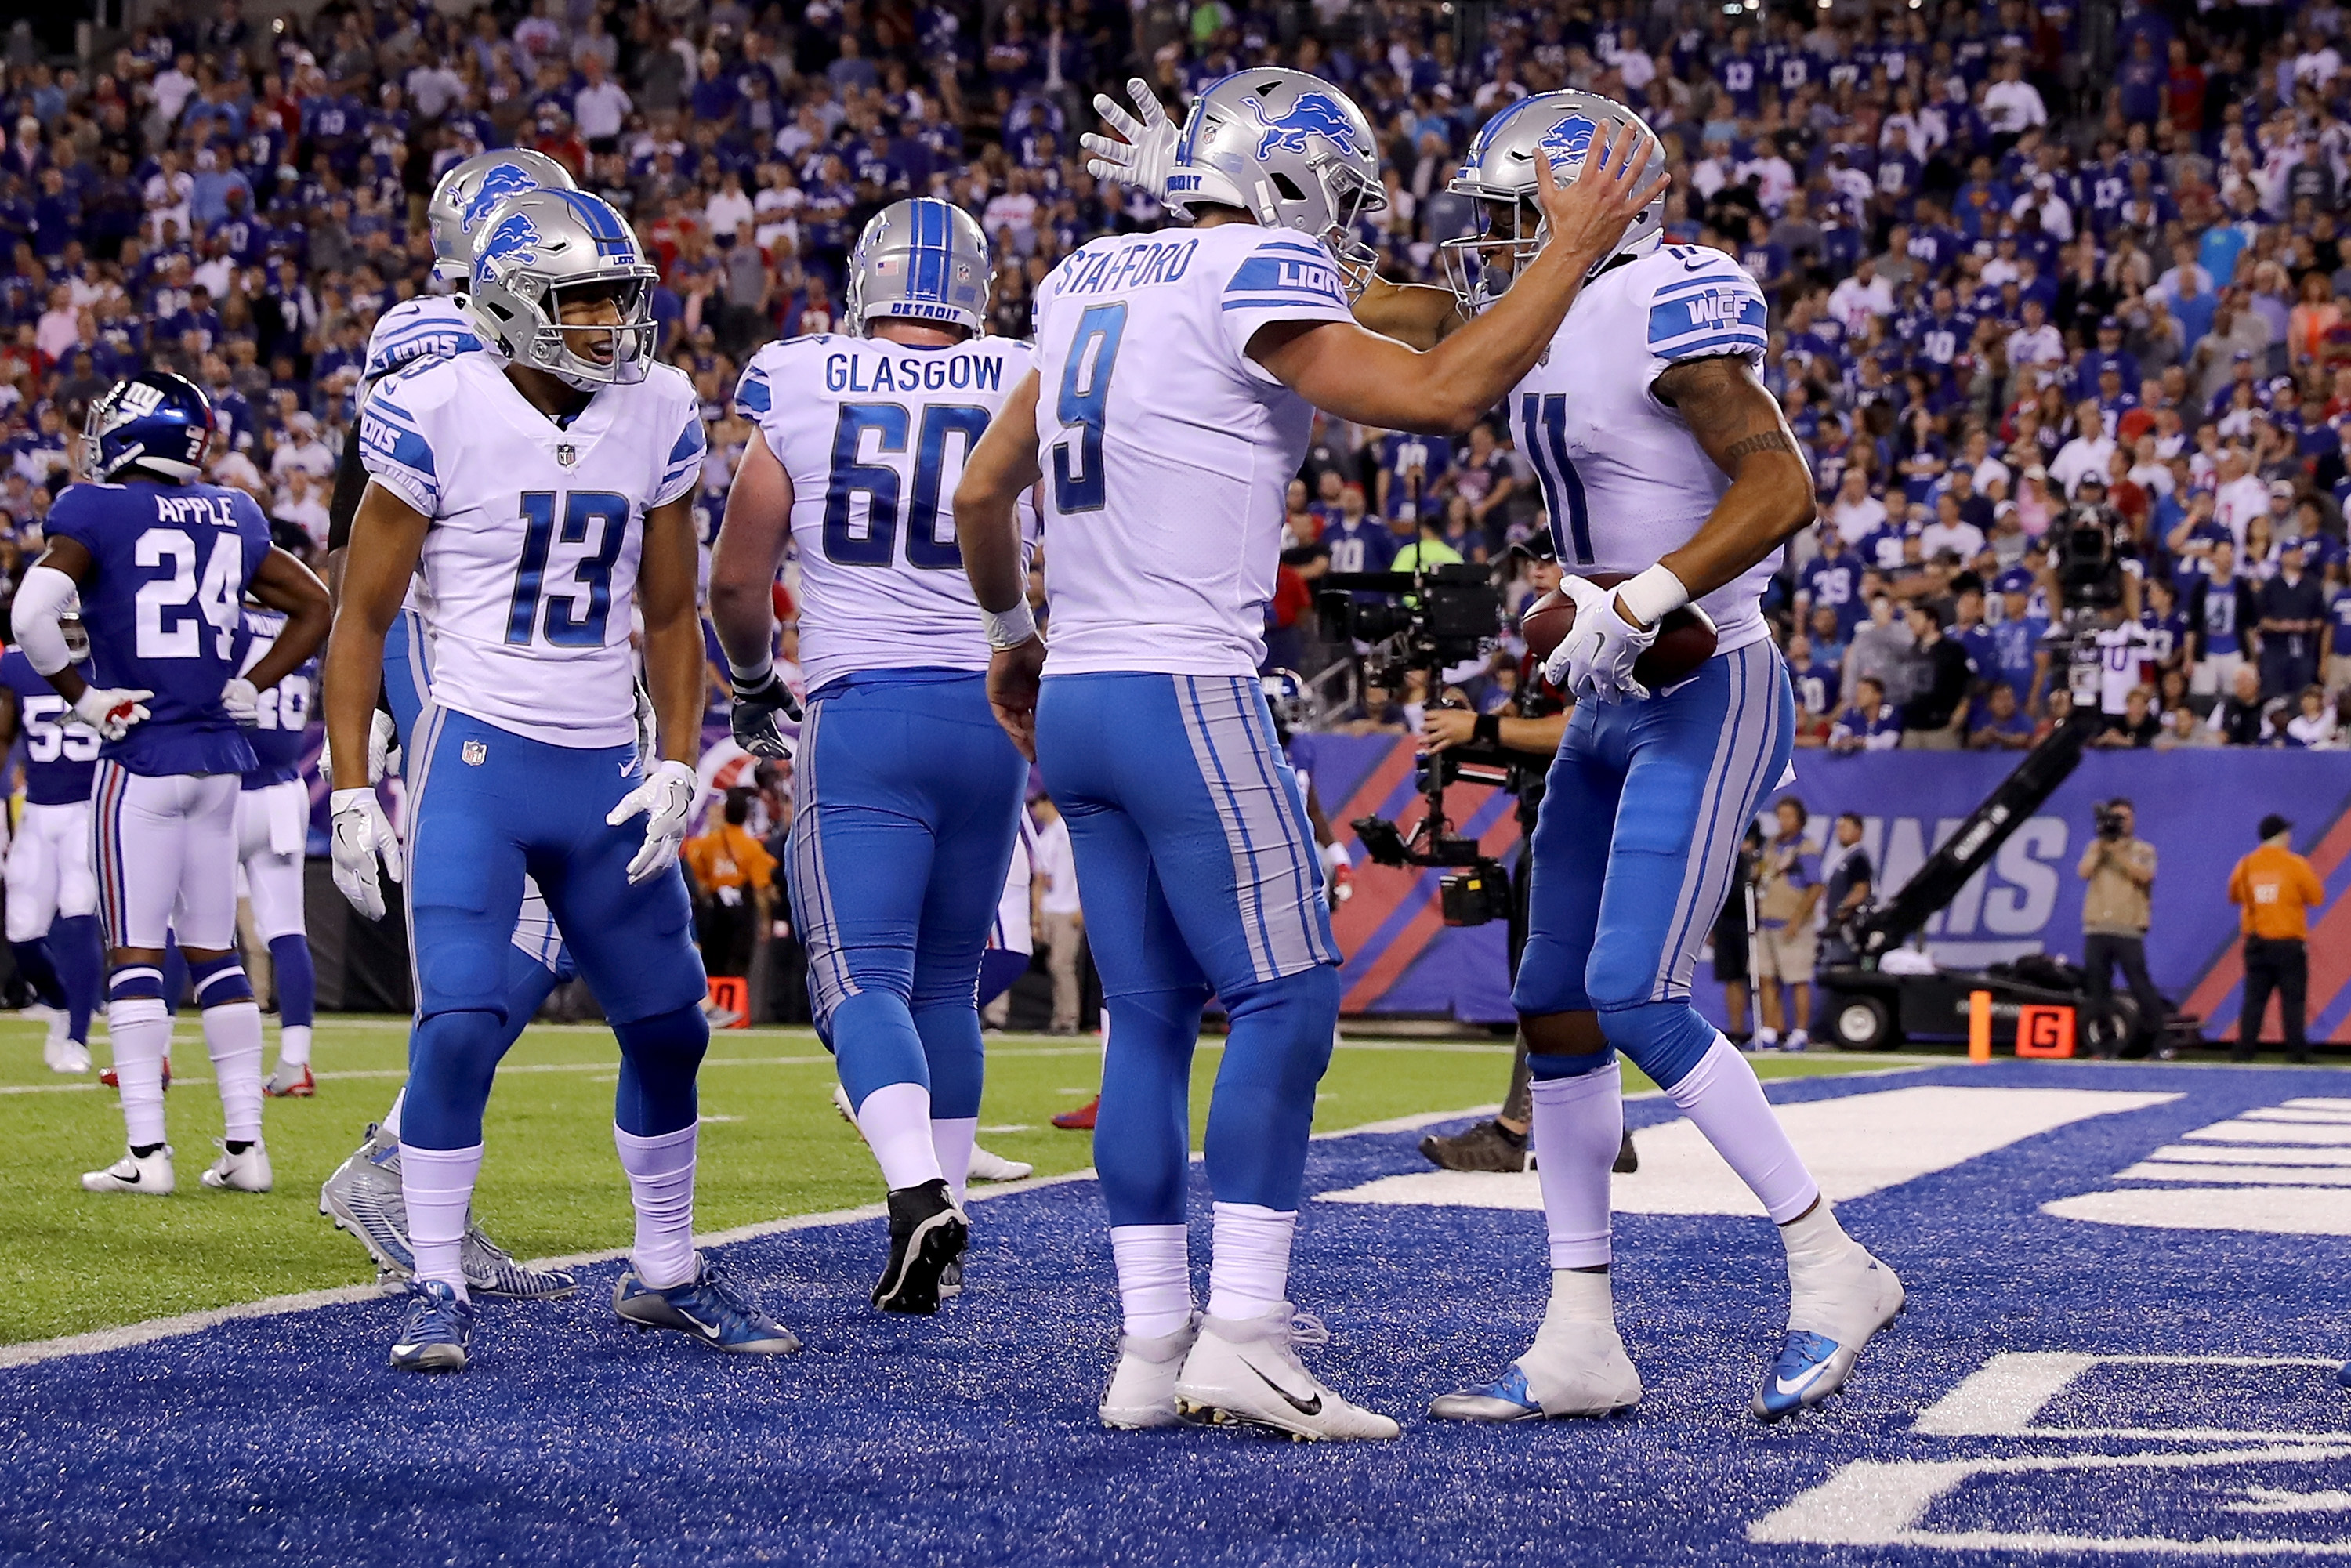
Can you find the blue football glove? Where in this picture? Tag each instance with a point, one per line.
(754, 717)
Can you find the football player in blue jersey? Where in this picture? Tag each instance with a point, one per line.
(161, 564)
(273, 825)
(52, 892)
(539, 494)
(362, 1195)
(907, 796)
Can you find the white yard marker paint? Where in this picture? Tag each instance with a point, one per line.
(1854, 1144)
(2259, 1176)
(2268, 1169)
(2331, 1133)
(2281, 1210)
(2221, 1155)
(1883, 1503)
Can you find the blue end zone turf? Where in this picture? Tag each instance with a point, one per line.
(2059, 1383)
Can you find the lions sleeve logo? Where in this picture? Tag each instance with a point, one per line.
(1314, 114)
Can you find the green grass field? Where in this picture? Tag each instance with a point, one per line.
(772, 1146)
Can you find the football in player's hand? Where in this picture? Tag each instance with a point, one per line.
(1685, 642)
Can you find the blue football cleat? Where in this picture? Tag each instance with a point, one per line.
(438, 1333)
(706, 1308)
(1507, 1399)
(1575, 1368)
(1856, 1295)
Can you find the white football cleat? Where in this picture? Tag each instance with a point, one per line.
(1142, 1392)
(1246, 1372)
(63, 1055)
(292, 1080)
(986, 1166)
(1833, 1308)
(1575, 1368)
(149, 1175)
(244, 1170)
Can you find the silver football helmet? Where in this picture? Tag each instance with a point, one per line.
(468, 192)
(920, 261)
(534, 248)
(1498, 173)
(1289, 148)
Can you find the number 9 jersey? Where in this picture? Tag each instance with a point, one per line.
(162, 601)
(530, 566)
(874, 435)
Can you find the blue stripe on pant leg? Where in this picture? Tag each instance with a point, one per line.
(1280, 899)
(1731, 738)
(1773, 724)
(1244, 852)
(1290, 822)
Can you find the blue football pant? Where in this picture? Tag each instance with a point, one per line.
(486, 808)
(1199, 876)
(907, 806)
(1633, 855)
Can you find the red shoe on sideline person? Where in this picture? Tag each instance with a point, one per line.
(1081, 1120)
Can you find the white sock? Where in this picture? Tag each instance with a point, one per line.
(294, 1045)
(896, 1122)
(1579, 1124)
(1722, 1098)
(142, 1036)
(1766, 1035)
(437, 1185)
(233, 1040)
(1155, 1277)
(952, 1137)
(1814, 1238)
(1580, 1296)
(661, 1185)
(1249, 1272)
(392, 1117)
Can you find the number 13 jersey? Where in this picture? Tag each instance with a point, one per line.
(1166, 450)
(1625, 481)
(874, 435)
(530, 570)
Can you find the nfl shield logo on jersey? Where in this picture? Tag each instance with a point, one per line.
(476, 753)
(567, 455)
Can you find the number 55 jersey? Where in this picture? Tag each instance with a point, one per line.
(530, 567)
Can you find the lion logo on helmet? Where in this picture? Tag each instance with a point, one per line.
(513, 243)
(1567, 143)
(1313, 114)
(498, 183)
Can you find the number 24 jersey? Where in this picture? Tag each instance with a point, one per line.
(530, 570)
(170, 565)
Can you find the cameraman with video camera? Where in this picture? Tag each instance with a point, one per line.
(2116, 909)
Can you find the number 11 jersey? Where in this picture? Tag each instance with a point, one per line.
(530, 570)
(164, 597)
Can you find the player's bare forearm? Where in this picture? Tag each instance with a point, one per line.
(987, 500)
(1739, 424)
(746, 555)
(673, 648)
(1342, 368)
(1417, 315)
(387, 537)
(284, 583)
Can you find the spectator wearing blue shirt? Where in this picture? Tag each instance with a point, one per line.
(1999, 723)
(1831, 580)
(2019, 659)
(2338, 632)
(1868, 723)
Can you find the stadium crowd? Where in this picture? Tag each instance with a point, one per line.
(2032, 268)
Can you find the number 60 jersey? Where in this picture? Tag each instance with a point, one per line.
(874, 436)
(530, 567)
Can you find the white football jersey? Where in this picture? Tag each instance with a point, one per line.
(1625, 481)
(530, 569)
(874, 435)
(1166, 450)
(428, 326)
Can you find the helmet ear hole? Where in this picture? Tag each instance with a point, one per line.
(1287, 186)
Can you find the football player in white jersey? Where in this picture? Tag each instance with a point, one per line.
(1661, 454)
(362, 1195)
(542, 490)
(907, 795)
(1177, 375)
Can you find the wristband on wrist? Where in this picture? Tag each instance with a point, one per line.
(1488, 730)
(1009, 628)
(749, 680)
(1653, 595)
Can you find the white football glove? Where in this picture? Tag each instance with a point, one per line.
(666, 798)
(242, 698)
(383, 747)
(1593, 662)
(1147, 156)
(111, 710)
(363, 833)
